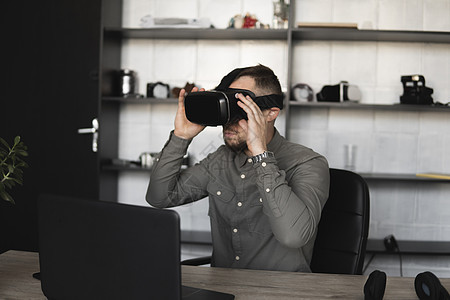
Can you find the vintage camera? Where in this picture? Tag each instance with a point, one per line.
(415, 91)
(213, 108)
(343, 91)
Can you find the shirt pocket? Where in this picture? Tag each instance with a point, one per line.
(220, 207)
(257, 221)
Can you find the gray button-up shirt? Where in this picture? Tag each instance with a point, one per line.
(263, 215)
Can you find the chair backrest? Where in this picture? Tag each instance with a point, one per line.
(341, 240)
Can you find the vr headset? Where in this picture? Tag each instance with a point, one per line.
(219, 106)
(213, 108)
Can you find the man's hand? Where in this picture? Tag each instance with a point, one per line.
(255, 127)
(183, 127)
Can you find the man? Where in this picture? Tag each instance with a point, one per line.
(265, 193)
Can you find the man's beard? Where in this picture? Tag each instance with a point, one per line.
(239, 147)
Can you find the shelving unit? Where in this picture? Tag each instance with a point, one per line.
(114, 36)
(290, 35)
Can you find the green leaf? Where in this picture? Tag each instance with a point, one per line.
(5, 196)
(22, 152)
(11, 165)
(9, 184)
(17, 180)
(4, 143)
(16, 140)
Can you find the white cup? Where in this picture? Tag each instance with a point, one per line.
(349, 156)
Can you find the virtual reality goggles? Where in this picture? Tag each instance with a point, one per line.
(213, 108)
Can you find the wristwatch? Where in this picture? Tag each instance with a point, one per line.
(259, 157)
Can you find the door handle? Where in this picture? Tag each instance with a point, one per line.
(94, 132)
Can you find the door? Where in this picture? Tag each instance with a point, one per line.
(50, 89)
(70, 61)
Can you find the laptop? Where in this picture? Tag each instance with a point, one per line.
(91, 249)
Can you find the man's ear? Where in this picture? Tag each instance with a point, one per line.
(272, 113)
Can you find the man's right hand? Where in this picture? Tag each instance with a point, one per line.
(183, 127)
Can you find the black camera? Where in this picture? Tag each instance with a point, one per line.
(415, 91)
(343, 91)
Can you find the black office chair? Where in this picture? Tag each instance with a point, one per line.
(341, 239)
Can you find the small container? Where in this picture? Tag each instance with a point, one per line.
(127, 82)
(146, 159)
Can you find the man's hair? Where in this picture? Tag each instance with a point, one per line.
(266, 82)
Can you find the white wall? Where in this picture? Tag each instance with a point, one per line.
(387, 141)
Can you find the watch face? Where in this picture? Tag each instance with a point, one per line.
(160, 91)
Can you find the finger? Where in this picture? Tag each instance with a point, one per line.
(247, 100)
(244, 125)
(251, 108)
(181, 97)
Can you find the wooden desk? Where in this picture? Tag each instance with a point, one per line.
(16, 282)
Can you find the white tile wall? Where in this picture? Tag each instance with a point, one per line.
(387, 142)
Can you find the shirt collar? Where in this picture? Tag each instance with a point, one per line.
(275, 142)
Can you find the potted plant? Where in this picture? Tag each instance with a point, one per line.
(11, 164)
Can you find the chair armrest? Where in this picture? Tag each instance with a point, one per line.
(198, 261)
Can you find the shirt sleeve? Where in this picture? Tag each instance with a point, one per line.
(294, 204)
(170, 185)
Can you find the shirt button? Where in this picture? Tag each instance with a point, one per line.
(267, 190)
(237, 257)
(239, 204)
(260, 200)
(219, 193)
(235, 230)
(263, 164)
(242, 176)
(249, 160)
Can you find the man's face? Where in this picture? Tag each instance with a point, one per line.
(233, 134)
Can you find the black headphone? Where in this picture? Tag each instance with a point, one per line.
(427, 285)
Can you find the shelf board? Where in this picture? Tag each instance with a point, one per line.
(367, 176)
(411, 247)
(353, 34)
(353, 105)
(197, 33)
(400, 177)
(140, 100)
(127, 167)
(373, 245)
(304, 33)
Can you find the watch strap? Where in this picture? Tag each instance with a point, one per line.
(259, 157)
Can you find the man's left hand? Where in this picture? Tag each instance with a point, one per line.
(255, 127)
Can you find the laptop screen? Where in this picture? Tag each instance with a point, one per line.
(101, 250)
